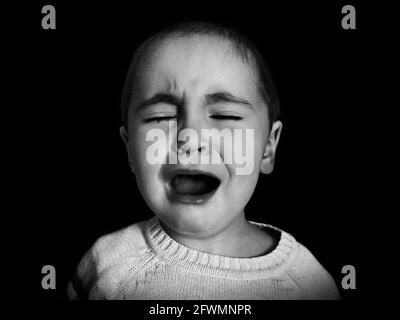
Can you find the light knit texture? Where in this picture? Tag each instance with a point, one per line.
(143, 262)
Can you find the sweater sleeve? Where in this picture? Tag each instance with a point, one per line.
(84, 277)
(103, 267)
(311, 277)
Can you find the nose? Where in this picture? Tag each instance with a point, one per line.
(189, 133)
(189, 147)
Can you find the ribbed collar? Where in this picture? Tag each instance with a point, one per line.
(178, 254)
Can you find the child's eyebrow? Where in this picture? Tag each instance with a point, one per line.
(213, 98)
(226, 97)
(160, 98)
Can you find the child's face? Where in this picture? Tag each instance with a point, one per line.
(213, 89)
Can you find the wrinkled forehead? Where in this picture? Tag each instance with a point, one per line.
(197, 46)
(195, 62)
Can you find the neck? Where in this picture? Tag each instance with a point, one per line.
(239, 239)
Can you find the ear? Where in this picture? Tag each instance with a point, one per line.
(267, 163)
(125, 138)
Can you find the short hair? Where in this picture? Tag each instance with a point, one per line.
(240, 44)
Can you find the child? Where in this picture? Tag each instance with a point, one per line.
(195, 77)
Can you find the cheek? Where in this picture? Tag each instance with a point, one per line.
(259, 144)
(245, 152)
(244, 174)
(242, 187)
(138, 149)
(146, 142)
(147, 175)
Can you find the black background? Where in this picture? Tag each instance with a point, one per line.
(75, 181)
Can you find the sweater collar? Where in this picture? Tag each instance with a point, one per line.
(176, 253)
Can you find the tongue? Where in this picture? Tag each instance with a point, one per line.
(193, 184)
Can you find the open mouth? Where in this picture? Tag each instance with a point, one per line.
(197, 184)
(193, 187)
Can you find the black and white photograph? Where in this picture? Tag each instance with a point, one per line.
(196, 159)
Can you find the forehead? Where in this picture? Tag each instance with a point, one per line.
(195, 64)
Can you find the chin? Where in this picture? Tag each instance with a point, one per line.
(193, 221)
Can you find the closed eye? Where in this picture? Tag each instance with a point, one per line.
(223, 117)
(160, 119)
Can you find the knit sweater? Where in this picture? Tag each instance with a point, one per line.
(143, 262)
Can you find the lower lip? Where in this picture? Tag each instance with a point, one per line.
(190, 198)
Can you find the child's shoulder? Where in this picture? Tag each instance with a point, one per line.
(303, 268)
(108, 257)
(129, 238)
(120, 247)
(310, 275)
